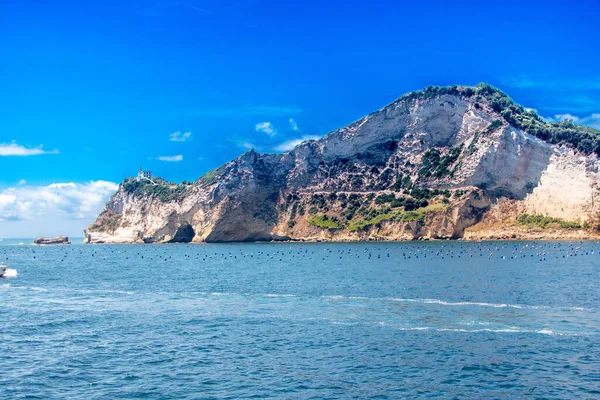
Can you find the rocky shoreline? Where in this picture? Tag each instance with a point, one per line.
(470, 236)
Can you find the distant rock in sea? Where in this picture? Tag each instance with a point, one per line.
(54, 240)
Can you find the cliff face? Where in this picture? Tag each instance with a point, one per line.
(441, 164)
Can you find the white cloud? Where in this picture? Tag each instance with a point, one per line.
(293, 124)
(66, 200)
(14, 149)
(592, 120)
(245, 143)
(22, 182)
(290, 144)
(562, 117)
(176, 158)
(265, 127)
(180, 137)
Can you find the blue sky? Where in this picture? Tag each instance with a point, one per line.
(91, 90)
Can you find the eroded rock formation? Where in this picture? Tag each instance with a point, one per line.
(54, 240)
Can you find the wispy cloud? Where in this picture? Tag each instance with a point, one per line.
(243, 143)
(265, 127)
(290, 144)
(293, 124)
(180, 137)
(527, 81)
(562, 117)
(592, 120)
(259, 110)
(14, 149)
(176, 158)
(67, 200)
(200, 10)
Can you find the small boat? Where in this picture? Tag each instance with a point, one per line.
(8, 273)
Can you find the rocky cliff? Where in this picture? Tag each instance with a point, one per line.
(451, 162)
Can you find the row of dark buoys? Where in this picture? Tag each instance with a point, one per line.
(540, 251)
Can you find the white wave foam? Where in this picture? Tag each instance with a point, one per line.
(94, 291)
(411, 328)
(65, 290)
(548, 332)
(458, 303)
(506, 330)
(473, 303)
(469, 303)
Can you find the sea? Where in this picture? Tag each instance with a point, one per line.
(373, 320)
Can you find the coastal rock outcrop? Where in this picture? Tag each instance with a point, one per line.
(54, 240)
(442, 163)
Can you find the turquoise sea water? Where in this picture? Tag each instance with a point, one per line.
(366, 320)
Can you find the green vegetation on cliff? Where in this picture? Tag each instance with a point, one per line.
(360, 211)
(159, 188)
(212, 176)
(402, 182)
(419, 200)
(375, 216)
(544, 222)
(436, 165)
(323, 221)
(106, 222)
(400, 216)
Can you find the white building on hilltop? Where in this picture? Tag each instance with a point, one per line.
(144, 174)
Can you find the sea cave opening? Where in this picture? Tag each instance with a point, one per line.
(185, 234)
